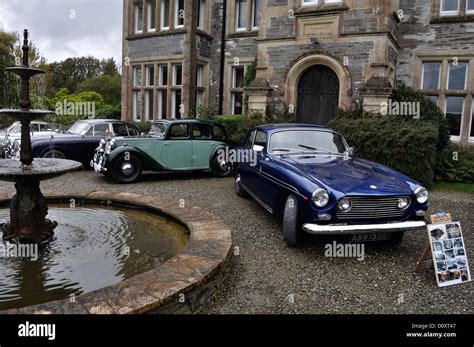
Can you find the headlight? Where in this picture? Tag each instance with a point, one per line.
(345, 205)
(421, 195)
(403, 203)
(102, 142)
(320, 198)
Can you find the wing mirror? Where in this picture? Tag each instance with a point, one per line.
(352, 151)
(258, 148)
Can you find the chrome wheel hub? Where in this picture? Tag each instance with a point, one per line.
(127, 169)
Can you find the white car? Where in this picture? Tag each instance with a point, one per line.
(37, 128)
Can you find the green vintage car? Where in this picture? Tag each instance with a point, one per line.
(171, 145)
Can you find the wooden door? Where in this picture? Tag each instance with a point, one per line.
(318, 95)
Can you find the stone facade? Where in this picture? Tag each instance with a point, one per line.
(367, 44)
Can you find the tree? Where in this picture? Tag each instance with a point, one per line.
(109, 86)
(71, 72)
(8, 87)
(36, 60)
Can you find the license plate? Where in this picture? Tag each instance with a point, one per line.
(372, 237)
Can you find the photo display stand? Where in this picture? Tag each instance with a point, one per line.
(446, 243)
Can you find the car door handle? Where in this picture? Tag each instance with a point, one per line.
(211, 144)
(166, 143)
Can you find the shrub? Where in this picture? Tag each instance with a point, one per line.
(456, 164)
(407, 146)
(109, 112)
(144, 127)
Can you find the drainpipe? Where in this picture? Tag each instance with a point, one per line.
(222, 60)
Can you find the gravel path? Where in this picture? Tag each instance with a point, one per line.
(268, 277)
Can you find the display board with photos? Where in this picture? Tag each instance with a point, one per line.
(449, 253)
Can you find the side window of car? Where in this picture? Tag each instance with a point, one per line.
(249, 139)
(261, 139)
(132, 131)
(201, 131)
(90, 132)
(120, 129)
(218, 133)
(101, 130)
(179, 131)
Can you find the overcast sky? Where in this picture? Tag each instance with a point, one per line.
(67, 28)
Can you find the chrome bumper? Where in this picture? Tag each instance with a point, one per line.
(362, 228)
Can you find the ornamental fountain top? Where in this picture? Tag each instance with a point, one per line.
(28, 210)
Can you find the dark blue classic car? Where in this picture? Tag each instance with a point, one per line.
(78, 142)
(309, 174)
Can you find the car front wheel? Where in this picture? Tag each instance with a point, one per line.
(292, 234)
(127, 171)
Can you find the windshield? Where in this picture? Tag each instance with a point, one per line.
(158, 129)
(297, 141)
(79, 128)
(14, 128)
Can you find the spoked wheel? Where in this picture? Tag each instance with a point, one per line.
(292, 233)
(220, 168)
(127, 171)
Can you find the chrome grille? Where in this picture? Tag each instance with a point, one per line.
(374, 208)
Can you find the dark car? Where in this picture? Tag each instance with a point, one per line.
(171, 145)
(310, 175)
(78, 142)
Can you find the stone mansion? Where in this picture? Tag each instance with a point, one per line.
(311, 56)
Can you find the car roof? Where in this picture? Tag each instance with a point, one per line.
(188, 120)
(101, 121)
(289, 126)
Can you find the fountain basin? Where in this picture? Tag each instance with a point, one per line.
(180, 284)
(41, 169)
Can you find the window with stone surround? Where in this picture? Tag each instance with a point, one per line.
(178, 13)
(165, 15)
(199, 85)
(201, 15)
(237, 90)
(448, 83)
(138, 11)
(319, 2)
(246, 15)
(454, 8)
(151, 16)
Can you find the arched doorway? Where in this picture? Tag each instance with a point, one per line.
(318, 95)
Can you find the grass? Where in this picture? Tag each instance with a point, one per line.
(459, 187)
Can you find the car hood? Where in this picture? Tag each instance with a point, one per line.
(350, 176)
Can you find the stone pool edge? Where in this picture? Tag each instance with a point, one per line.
(179, 285)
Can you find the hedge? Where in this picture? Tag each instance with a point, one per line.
(405, 145)
(456, 164)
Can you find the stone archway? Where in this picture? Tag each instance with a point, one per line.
(327, 63)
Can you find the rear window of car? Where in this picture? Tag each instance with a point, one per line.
(179, 131)
(218, 133)
(120, 129)
(201, 131)
(132, 131)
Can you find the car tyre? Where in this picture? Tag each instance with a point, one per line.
(239, 190)
(220, 168)
(53, 153)
(127, 171)
(292, 233)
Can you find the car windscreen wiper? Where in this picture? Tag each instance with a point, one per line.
(281, 150)
(311, 148)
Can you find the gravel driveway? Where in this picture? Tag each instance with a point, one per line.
(269, 277)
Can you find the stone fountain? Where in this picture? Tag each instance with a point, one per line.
(28, 209)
